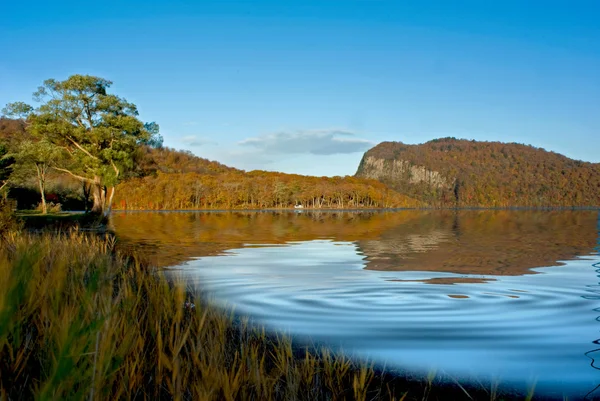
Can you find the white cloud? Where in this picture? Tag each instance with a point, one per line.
(316, 142)
(194, 140)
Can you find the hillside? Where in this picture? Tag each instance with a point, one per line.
(165, 178)
(455, 172)
(179, 180)
(168, 160)
(12, 131)
(254, 190)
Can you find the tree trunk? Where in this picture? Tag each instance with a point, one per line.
(42, 183)
(108, 206)
(86, 195)
(99, 197)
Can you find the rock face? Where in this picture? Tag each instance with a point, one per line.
(383, 170)
(451, 172)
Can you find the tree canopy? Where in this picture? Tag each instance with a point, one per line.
(99, 132)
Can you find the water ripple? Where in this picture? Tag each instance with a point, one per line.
(539, 325)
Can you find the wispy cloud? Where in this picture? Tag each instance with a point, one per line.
(195, 140)
(316, 142)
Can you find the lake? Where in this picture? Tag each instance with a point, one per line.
(511, 297)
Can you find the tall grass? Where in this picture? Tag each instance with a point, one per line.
(79, 321)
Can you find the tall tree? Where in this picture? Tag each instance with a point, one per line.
(100, 132)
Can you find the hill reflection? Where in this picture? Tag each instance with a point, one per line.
(483, 243)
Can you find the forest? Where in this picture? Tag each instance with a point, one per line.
(484, 174)
(85, 149)
(252, 190)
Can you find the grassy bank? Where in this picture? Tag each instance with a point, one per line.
(80, 321)
(60, 221)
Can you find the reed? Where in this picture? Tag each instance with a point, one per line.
(81, 321)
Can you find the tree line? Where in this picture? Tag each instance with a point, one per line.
(254, 190)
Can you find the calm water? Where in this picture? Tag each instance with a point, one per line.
(512, 296)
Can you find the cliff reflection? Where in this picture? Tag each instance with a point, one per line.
(483, 242)
(464, 242)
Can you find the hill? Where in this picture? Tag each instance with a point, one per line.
(177, 180)
(168, 160)
(166, 179)
(451, 172)
(253, 190)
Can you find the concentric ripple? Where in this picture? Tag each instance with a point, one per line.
(537, 328)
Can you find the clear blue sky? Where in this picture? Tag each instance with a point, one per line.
(306, 86)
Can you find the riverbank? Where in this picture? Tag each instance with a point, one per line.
(79, 319)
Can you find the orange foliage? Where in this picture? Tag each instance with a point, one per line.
(492, 174)
(253, 190)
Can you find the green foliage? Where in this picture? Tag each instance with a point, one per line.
(36, 158)
(99, 132)
(155, 140)
(36, 153)
(19, 110)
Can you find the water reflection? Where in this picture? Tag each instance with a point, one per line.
(594, 354)
(483, 243)
(362, 281)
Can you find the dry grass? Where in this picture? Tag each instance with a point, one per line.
(80, 321)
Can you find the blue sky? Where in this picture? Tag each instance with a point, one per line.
(307, 86)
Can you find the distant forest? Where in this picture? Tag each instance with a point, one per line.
(183, 181)
(168, 179)
(452, 172)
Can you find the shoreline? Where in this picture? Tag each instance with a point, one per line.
(473, 208)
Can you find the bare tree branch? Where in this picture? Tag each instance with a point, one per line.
(115, 167)
(74, 175)
(81, 148)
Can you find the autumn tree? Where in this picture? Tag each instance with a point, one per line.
(99, 132)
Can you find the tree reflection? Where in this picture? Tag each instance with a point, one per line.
(483, 243)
